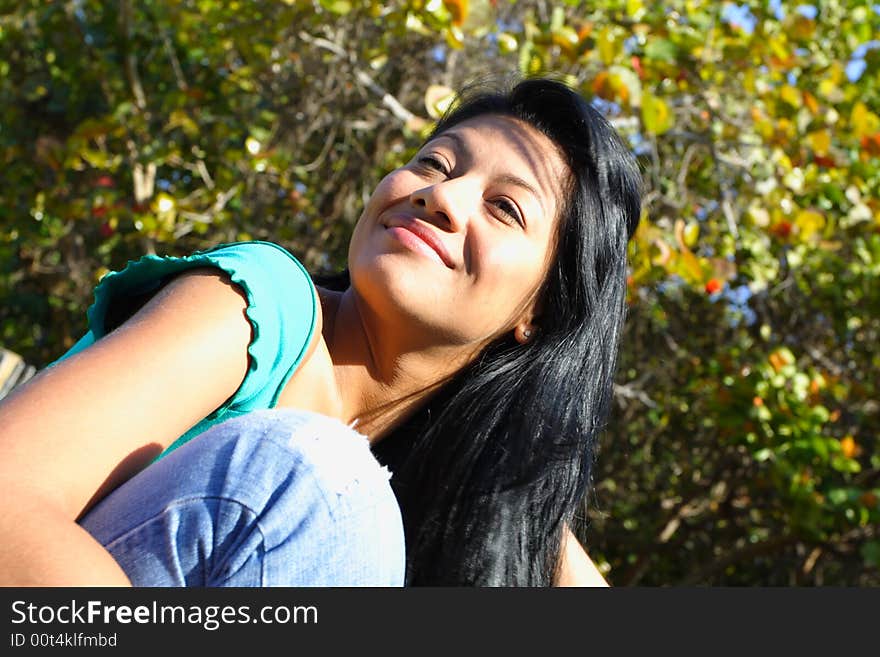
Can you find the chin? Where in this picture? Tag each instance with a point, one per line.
(399, 290)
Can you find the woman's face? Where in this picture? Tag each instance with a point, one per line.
(455, 244)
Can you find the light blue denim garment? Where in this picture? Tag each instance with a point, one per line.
(274, 498)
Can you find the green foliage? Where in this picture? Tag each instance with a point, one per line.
(743, 448)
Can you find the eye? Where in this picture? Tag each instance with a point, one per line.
(432, 162)
(509, 210)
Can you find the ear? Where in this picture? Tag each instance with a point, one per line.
(527, 326)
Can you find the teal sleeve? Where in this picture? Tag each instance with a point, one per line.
(281, 308)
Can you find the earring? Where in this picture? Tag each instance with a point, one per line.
(523, 335)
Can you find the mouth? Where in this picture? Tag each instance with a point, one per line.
(419, 237)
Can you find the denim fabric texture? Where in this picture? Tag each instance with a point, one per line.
(277, 497)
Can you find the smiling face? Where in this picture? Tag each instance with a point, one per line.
(455, 244)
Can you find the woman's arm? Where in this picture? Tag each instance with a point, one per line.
(80, 428)
(576, 568)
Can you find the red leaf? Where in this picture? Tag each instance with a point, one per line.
(713, 286)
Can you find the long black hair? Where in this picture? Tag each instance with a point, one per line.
(492, 466)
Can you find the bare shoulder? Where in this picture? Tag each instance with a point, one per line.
(313, 386)
(89, 422)
(576, 567)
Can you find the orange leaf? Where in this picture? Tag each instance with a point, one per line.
(871, 144)
(780, 358)
(602, 87)
(458, 9)
(811, 102)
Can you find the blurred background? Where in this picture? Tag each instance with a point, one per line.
(743, 445)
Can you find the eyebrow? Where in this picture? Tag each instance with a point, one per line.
(508, 178)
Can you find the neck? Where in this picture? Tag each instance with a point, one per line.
(380, 382)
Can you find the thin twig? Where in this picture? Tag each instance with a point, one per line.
(175, 62)
(131, 72)
(629, 392)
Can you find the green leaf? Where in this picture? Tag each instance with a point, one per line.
(763, 454)
(871, 553)
(844, 464)
(656, 115)
(340, 7)
(557, 18)
(662, 50)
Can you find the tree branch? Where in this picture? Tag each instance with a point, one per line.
(131, 72)
(395, 106)
(704, 572)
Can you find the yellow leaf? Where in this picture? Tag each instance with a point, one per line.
(749, 81)
(765, 128)
(691, 271)
(809, 222)
(827, 87)
(820, 141)
(863, 121)
(164, 204)
(781, 158)
(567, 39)
(101, 273)
(779, 47)
(454, 37)
(635, 9)
(656, 114)
(690, 267)
(791, 95)
(691, 233)
(787, 130)
(507, 43)
(609, 45)
(836, 72)
(180, 119)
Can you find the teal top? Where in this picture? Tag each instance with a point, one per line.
(282, 306)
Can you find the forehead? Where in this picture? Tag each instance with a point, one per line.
(507, 143)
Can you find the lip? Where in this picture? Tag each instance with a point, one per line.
(424, 235)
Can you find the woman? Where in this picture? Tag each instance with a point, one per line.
(474, 346)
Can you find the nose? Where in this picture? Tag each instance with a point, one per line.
(446, 203)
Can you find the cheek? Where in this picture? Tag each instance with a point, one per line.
(393, 188)
(382, 196)
(513, 265)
